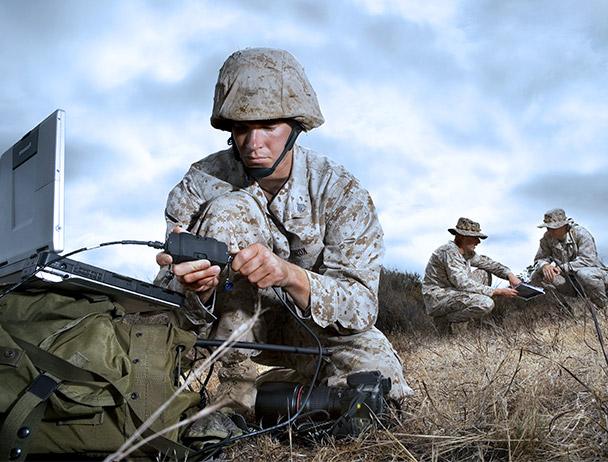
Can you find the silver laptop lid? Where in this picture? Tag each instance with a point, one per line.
(31, 192)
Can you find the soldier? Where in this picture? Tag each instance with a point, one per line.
(451, 290)
(567, 260)
(292, 219)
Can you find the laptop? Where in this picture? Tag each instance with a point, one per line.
(32, 227)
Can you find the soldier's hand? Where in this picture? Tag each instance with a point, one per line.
(505, 292)
(262, 267)
(550, 271)
(198, 276)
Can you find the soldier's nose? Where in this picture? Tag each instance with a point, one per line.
(253, 139)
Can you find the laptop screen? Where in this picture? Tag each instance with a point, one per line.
(31, 192)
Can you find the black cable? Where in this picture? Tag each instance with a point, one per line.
(153, 244)
(213, 449)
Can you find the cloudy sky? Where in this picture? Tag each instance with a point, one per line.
(494, 110)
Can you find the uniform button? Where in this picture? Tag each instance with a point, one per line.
(134, 395)
(15, 453)
(138, 334)
(24, 432)
(135, 360)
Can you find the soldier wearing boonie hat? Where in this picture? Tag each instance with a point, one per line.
(293, 219)
(567, 260)
(555, 218)
(455, 292)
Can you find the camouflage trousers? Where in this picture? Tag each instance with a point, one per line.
(452, 305)
(590, 281)
(239, 220)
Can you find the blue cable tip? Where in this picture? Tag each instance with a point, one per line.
(228, 286)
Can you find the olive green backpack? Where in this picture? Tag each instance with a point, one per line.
(76, 378)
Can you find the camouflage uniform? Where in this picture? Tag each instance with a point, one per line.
(321, 220)
(451, 289)
(578, 259)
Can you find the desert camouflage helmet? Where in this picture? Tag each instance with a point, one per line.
(264, 84)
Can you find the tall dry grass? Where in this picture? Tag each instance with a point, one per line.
(530, 384)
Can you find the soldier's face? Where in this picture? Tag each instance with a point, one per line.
(260, 143)
(558, 233)
(469, 243)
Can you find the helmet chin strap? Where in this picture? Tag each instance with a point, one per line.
(262, 172)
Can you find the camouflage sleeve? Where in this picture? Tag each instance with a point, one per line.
(344, 294)
(183, 203)
(486, 263)
(458, 274)
(586, 255)
(543, 254)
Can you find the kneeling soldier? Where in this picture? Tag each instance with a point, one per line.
(567, 260)
(452, 290)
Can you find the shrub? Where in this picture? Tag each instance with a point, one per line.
(400, 301)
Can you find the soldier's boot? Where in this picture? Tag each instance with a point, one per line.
(211, 429)
(442, 325)
(237, 387)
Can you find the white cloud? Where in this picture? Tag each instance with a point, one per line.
(437, 13)
(477, 99)
(157, 43)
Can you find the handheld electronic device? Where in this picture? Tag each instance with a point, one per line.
(189, 247)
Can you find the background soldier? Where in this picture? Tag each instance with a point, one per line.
(567, 259)
(293, 219)
(451, 290)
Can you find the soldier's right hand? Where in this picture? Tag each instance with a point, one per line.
(198, 275)
(550, 271)
(505, 292)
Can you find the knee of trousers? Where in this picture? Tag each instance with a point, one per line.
(590, 277)
(592, 280)
(235, 218)
(484, 303)
(366, 351)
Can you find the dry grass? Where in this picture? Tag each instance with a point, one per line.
(529, 385)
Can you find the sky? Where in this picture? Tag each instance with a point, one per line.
(492, 110)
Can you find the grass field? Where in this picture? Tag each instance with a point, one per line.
(527, 385)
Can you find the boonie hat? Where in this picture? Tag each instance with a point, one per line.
(555, 218)
(467, 227)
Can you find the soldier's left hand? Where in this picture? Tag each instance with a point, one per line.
(262, 267)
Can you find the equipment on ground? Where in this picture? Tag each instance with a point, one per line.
(339, 411)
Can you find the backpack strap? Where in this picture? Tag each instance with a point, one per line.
(24, 417)
(27, 412)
